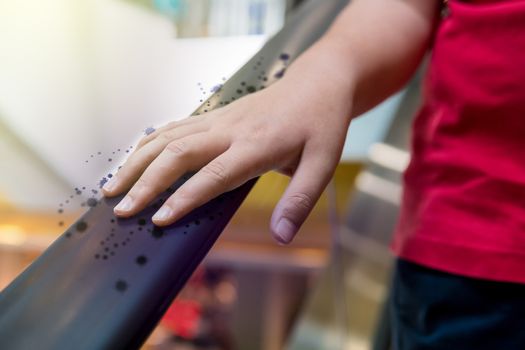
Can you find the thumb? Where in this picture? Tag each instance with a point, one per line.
(307, 185)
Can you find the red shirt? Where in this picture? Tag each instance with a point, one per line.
(463, 208)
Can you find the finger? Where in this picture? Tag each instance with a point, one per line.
(171, 125)
(305, 188)
(226, 172)
(179, 157)
(140, 159)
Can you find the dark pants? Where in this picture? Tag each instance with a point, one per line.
(433, 310)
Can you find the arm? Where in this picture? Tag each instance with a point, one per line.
(297, 126)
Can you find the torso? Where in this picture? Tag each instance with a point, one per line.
(464, 202)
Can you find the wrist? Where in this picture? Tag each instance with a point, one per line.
(323, 74)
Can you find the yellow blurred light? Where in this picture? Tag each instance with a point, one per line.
(12, 235)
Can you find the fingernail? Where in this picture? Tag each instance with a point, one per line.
(110, 185)
(285, 230)
(162, 214)
(125, 204)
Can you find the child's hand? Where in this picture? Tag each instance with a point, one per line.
(297, 125)
(293, 132)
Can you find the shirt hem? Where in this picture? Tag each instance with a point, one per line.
(464, 261)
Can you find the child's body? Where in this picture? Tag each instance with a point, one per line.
(463, 212)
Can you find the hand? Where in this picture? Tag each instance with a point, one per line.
(299, 135)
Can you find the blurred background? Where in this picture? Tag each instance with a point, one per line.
(80, 83)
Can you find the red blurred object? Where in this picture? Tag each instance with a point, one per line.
(183, 317)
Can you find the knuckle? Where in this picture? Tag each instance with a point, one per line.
(129, 168)
(142, 183)
(252, 168)
(136, 162)
(183, 195)
(217, 172)
(300, 202)
(177, 148)
(172, 124)
(142, 141)
(144, 188)
(145, 140)
(165, 137)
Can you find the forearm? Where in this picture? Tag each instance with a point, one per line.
(370, 52)
(296, 126)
